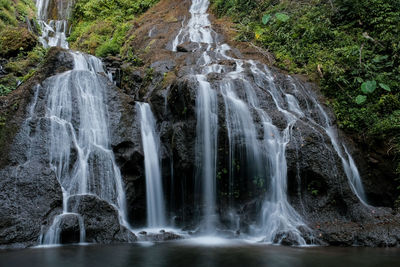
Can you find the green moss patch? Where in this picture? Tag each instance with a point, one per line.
(13, 40)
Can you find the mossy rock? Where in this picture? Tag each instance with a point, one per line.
(14, 40)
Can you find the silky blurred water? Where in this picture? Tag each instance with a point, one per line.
(188, 253)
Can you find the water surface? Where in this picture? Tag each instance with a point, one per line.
(189, 253)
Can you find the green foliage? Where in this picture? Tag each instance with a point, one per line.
(113, 45)
(128, 55)
(266, 18)
(259, 182)
(314, 187)
(350, 47)
(100, 26)
(7, 84)
(282, 17)
(361, 99)
(149, 75)
(5, 90)
(384, 87)
(13, 40)
(21, 68)
(368, 87)
(13, 12)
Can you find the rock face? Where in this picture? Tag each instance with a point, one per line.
(318, 188)
(100, 220)
(70, 230)
(30, 195)
(157, 237)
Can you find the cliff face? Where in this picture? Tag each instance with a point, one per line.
(317, 184)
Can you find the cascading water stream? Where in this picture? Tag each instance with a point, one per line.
(263, 155)
(198, 31)
(81, 155)
(348, 163)
(54, 30)
(80, 150)
(206, 149)
(154, 190)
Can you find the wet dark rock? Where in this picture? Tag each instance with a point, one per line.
(187, 47)
(163, 66)
(112, 61)
(125, 133)
(378, 229)
(30, 196)
(57, 60)
(101, 220)
(113, 66)
(182, 98)
(69, 229)
(131, 79)
(3, 62)
(286, 239)
(158, 237)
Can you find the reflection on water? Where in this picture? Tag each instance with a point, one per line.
(192, 254)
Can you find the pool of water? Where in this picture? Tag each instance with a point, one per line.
(198, 253)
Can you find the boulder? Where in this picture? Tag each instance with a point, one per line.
(30, 197)
(101, 220)
(187, 47)
(158, 237)
(70, 228)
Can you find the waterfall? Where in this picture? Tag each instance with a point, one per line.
(341, 150)
(347, 161)
(255, 140)
(198, 31)
(54, 29)
(80, 150)
(151, 148)
(257, 135)
(206, 149)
